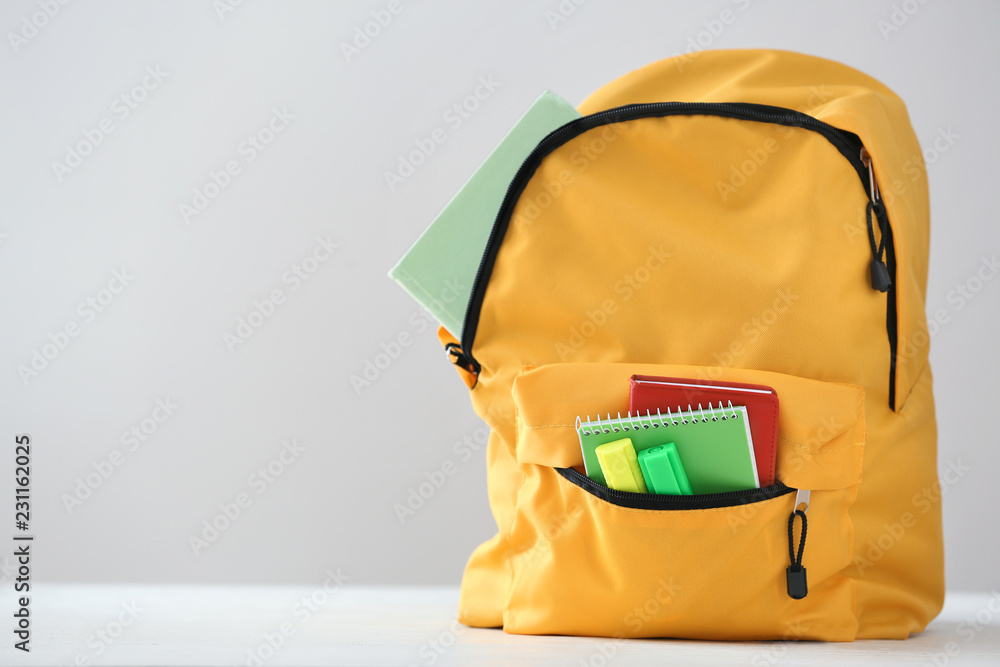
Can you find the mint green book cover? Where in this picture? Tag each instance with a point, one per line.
(438, 271)
(717, 454)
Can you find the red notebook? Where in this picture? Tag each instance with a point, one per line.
(647, 392)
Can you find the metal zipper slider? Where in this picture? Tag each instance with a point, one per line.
(866, 159)
(802, 500)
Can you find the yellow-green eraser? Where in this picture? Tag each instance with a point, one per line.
(620, 466)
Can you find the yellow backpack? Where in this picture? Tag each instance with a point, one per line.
(713, 216)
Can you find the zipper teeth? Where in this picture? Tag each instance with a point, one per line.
(765, 493)
(763, 113)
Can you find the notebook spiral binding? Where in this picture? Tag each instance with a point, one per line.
(649, 420)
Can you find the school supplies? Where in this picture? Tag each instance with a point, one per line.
(440, 268)
(620, 467)
(663, 471)
(761, 278)
(650, 393)
(714, 444)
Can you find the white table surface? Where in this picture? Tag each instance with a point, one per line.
(221, 625)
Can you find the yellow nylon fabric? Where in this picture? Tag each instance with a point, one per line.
(725, 249)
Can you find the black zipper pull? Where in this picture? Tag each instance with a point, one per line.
(458, 357)
(795, 574)
(879, 271)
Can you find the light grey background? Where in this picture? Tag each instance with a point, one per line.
(162, 336)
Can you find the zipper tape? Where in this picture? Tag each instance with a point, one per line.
(848, 144)
(653, 501)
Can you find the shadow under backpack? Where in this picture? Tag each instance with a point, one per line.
(751, 216)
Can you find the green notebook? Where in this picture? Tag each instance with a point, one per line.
(715, 446)
(438, 271)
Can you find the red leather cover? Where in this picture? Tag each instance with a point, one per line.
(648, 392)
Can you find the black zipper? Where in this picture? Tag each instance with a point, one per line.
(847, 143)
(795, 573)
(653, 501)
(891, 323)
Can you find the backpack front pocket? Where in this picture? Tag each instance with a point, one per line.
(593, 561)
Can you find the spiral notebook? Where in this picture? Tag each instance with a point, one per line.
(715, 444)
(648, 392)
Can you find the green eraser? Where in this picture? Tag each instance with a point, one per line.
(662, 470)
